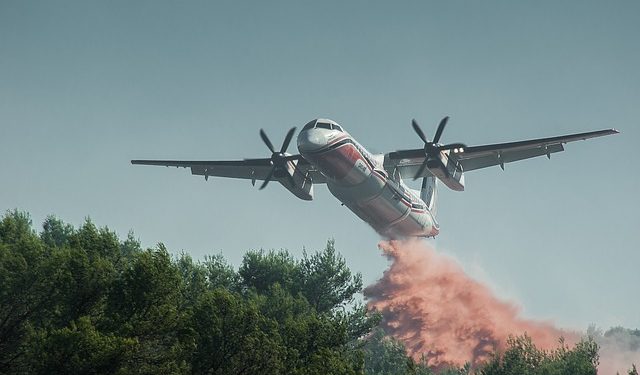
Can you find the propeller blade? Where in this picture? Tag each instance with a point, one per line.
(452, 145)
(419, 131)
(266, 180)
(287, 139)
(441, 126)
(421, 170)
(266, 141)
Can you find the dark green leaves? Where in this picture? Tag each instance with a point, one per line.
(83, 301)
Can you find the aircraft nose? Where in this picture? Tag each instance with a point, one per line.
(311, 140)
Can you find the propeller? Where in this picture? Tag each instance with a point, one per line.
(433, 148)
(278, 158)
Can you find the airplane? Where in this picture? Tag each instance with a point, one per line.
(372, 185)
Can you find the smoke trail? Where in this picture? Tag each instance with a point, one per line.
(619, 349)
(436, 310)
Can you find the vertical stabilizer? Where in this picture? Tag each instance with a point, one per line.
(428, 193)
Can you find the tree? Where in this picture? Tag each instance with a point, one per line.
(260, 270)
(144, 303)
(56, 233)
(523, 358)
(79, 282)
(25, 291)
(326, 281)
(194, 279)
(220, 274)
(232, 337)
(303, 299)
(96, 242)
(386, 356)
(130, 246)
(78, 348)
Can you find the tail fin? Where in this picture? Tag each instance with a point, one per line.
(428, 193)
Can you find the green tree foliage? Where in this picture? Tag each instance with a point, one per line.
(24, 293)
(219, 274)
(260, 270)
(523, 358)
(80, 300)
(383, 355)
(387, 356)
(307, 302)
(77, 348)
(55, 233)
(326, 281)
(233, 337)
(144, 303)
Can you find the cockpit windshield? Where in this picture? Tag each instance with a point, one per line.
(322, 125)
(309, 125)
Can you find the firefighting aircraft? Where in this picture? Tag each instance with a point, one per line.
(371, 185)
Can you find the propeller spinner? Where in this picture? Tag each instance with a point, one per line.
(278, 158)
(433, 148)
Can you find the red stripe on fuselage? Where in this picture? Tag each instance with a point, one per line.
(338, 161)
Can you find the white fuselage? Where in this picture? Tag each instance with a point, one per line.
(359, 180)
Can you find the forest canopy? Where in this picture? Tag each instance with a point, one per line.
(83, 300)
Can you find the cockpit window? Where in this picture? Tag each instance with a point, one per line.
(322, 125)
(309, 125)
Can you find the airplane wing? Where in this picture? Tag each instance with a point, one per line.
(251, 169)
(477, 157)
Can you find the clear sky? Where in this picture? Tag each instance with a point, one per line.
(86, 86)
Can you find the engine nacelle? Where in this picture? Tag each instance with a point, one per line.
(302, 186)
(448, 170)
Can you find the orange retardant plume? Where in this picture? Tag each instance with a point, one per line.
(430, 304)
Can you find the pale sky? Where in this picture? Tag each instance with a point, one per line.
(85, 86)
